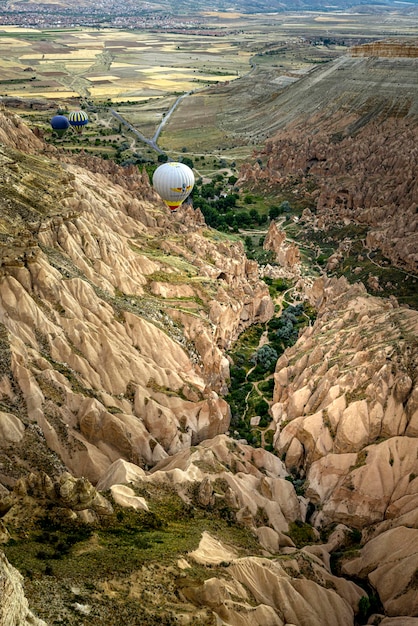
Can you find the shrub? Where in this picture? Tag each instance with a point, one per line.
(266, 357)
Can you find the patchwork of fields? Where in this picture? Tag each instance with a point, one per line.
(142, 72)
(113, 64)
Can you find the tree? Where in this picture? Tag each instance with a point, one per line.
(249, 243)
(274, 212)
(266, 357)
(254, 215)
(243, 218)
(207, 191)
(187, 161)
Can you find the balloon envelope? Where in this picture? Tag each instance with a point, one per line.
(78, 119)
(60, 124)
(173, 181)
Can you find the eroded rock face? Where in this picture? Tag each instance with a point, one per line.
(250, 483)
(390, 48)
(113, 316)
(390, 563)
(298, 590)
(345, 411)
(113, 323)
(69, 494)
(345, 142)
(286, 253)
(14, 608)
(344, 387)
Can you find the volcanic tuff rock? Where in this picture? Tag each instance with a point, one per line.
(344, 139)
(113, 315)
(228, 475)
(114, 318)
(286, 253)
(345, 405)
(250, 482)
(298, 590)
(13, 604)
(390, 564)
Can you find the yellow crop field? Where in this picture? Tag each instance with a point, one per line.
(17, 29)
(14, 42)
(224, 15)
(70, 54)
(104, 78)
(111, 63)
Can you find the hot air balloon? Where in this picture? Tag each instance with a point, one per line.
(60, 124)
(173, 182)
(78, 119)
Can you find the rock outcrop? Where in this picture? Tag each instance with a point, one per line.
(345, 407)
(14, 607)
(389, 562)
(113, 316)
(343, 141)
(114, 322)
(341, 419)
(298, 590)
(250, 483)
(286, 253)
(390, 48)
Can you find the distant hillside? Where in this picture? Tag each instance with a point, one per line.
(343, 141)
(185, 7)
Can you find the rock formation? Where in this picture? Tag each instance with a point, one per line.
(286, 253)
(387, 48)
(344, 143)
(112, 331)
(115, 319)
(13, 604)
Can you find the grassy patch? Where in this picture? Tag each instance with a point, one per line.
(55, 552)
(301, 534)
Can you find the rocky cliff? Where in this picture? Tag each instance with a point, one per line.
(403, 48)
(344, 144)
(345, 406)
(122, 497)
(109, 313)
(13, 604)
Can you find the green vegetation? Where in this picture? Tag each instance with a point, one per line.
(301, 533)
(251, 385)
(358, 263)
(51, 549)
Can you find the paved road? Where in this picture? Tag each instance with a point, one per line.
(168, 114)
(152, 143)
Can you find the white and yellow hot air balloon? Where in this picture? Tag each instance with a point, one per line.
(173, 181)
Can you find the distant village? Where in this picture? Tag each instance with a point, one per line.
(102, 14)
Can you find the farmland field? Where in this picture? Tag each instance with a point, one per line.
(234, 63)
(113, 64)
